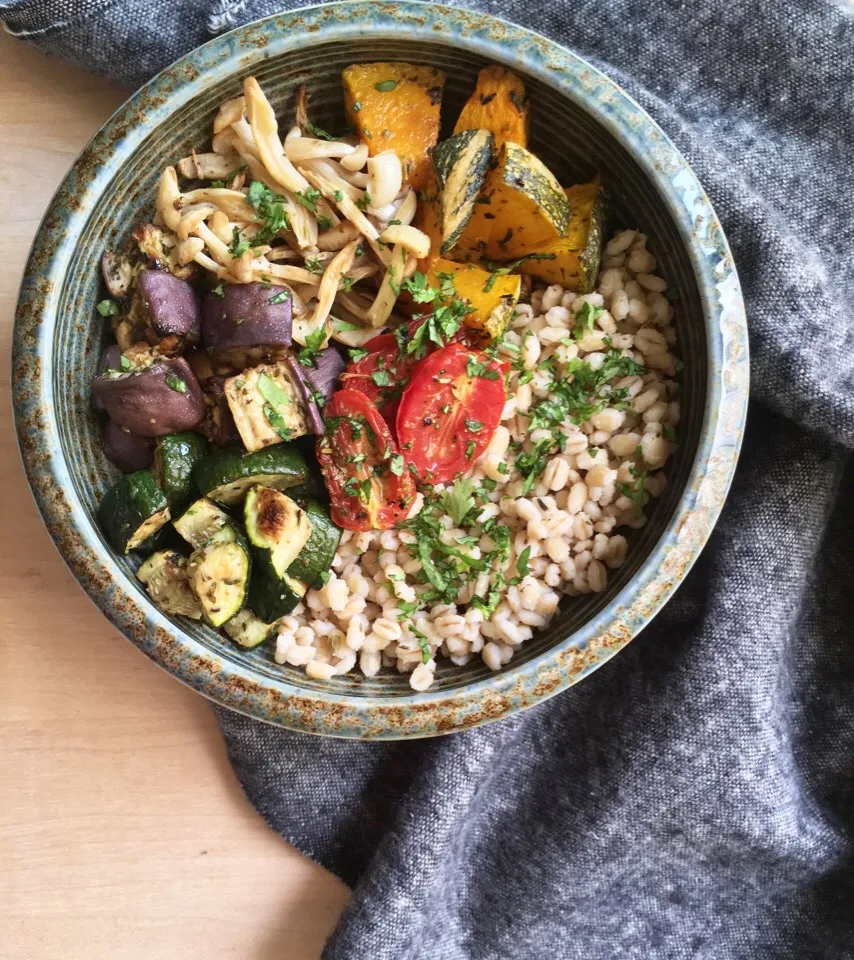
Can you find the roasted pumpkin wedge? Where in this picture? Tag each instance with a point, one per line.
(493, 295)
(461, 164)
(428, 219)
(520, 207)
(499, 105)
(574, 263)
(395, 106)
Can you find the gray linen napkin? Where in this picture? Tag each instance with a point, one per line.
(695, 797)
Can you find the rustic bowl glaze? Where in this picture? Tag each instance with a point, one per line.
(582, 122)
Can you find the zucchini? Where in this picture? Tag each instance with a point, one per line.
(520, 207)
(132, 510)
(317, 555)
(247, 630)
(226, 475)
(165, 577)
(201, 521)
(219, 573)
(265, 405)
(277, 527)
(272, 597)
(164, 539)
(174, 458)
(461, 164)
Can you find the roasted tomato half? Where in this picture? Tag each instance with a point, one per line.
(369, 485)
(382, 375)
(449, 411)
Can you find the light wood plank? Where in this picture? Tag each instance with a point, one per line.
(123, 833)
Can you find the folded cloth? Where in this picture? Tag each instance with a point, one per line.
(693, 798)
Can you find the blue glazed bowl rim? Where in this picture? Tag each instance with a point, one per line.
(234, 682)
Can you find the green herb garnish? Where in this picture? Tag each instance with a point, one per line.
(107, 308)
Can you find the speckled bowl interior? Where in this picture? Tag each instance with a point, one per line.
(576, 123)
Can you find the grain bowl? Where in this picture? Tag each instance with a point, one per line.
(503, 577)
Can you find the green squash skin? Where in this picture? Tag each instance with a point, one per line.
(461, 165)
(521, 175)
(131, 503)
(174, 458)
(280, 466)
(317, 555)
(271, 598)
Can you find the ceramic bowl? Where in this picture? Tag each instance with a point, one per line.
(582, 122)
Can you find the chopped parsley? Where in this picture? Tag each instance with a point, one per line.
(510, 267)
(316, 131)
(445, 318)
(483, 370)
(124, 363)
(176, 383)
(313, 345)
(324, 223)
(270, 209)
(357, 106)
(308, 198)
(238, 247)
(219, 290)
(474, 426)
(381, 378)
(459, 501)
(365, 202)
(107, 308)
(385, 86)
(313, 265)
(522, 562)
(283, 296)
(357, 354)
(397, 465)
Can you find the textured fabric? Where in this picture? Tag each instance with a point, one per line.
(694, 797)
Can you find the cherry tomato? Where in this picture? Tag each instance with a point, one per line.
(449, 411)
(381, 375)
(369, 484)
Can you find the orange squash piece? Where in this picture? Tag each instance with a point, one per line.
(573, 259)
(492, 296)
(395, 106)
(498, 104)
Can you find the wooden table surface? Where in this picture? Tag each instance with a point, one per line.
(123, 832)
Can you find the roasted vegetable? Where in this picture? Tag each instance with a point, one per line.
(247, 630)
(521, 207)
(428, 219)
(246, 323)
(461, 164)
(573, 260)
(272, 597)
(218, 426)
(311, 400)
(161, 398)
(219, 573)
(168, 311)
(498, 104)
(277, 527)
(200, 521)
(226, 475)
(127, 451)
(265, 406)
(165, 577)
(492, 295)
(316, 556)
(158, 247)
(118, 273)
(132, 510)
(328, 366)
(175, 456)
(395, 106)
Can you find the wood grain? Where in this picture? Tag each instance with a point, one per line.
(123, 833)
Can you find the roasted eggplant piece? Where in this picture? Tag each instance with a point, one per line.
(168, 311)
(311, 400)
(127, 451)
(249, 322)
(218, 426)
(265, 405)
(118, 273)
(161, 398)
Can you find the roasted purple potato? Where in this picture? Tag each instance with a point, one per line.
(127, 451)
(162, 398)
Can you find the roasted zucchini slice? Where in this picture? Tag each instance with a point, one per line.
(461, 164)
(201, 521)
(132, 510)
(165, 577)
(247, 630)
(265, 405)
(227, 475)
(277, 527)
(317, 555)
(272, 597)
(219, 573)
(174, 458)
